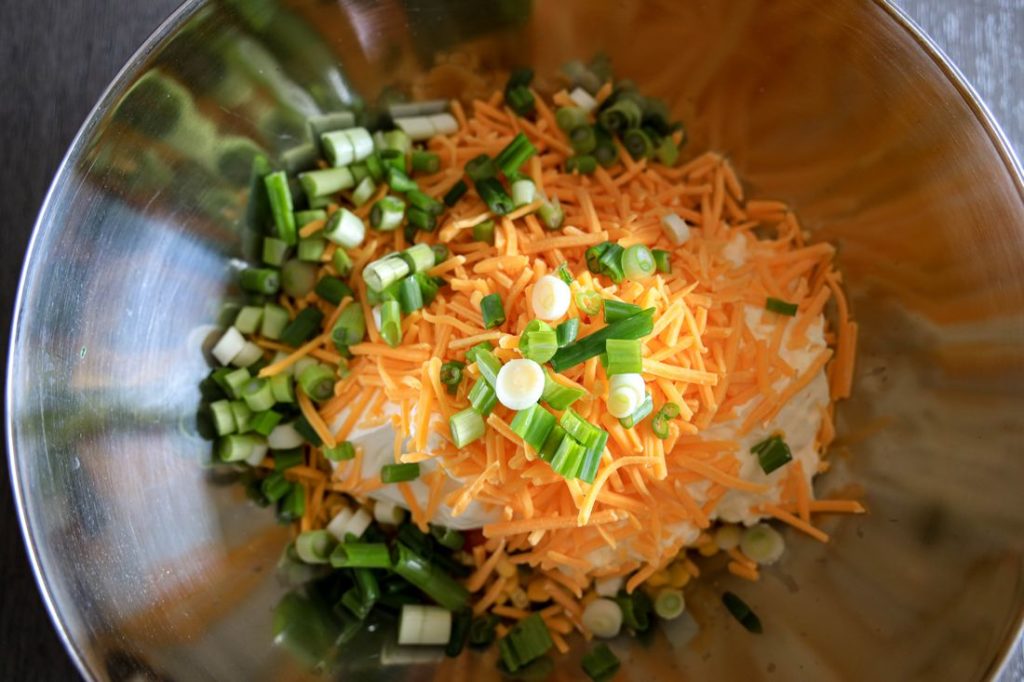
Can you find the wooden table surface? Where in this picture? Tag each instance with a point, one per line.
(58, 56)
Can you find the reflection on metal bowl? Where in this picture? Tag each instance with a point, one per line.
(156, 567)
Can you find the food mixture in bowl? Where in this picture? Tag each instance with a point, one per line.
(509, 368)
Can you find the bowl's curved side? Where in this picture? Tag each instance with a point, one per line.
(146, 559)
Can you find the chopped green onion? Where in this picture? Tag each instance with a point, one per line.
(457, 191)
(584, 164)
(551, 443)
(661, 260)
(282, 386)
(425, 162)
(223, 417)
(567, 331)
(638, 143)
(420, 220)
(603, 618)
(610, 263)
(635, 327)
(425, 202)
(494, 195)
(311, 249)
(526, 641)
(559, 397)
(420, 625)
(361, 555)
(583, 140)
(588, 301)
(483, 630)
(350, 328)
(625, 394)
(248, 320)
(623, 115)
(315, 546)
(327, 181)
(484, 232)
(462, 621)
(361, 598)
(563, 273)
(448, 537)
(533, 425)
(606, 152)
(387, 213)
(306, 430)
(392, 159)
(639, 414)
(275, 251)
(592, 457)
(520, 384)
(486, 362)
(345, 228)
(762, 544)
(576, 426)
(303, 327)
(430, 579)
(570, 118)
(482, 398)
(275, 486)
(636, 610)
(482, 346)
(523, 192)
(617, 310)
(660, 422)
(303, 218)
(234, 382)
(600, 664)
(568, 459)
(399, 181)
(481, 167)
(551, 214)
(260, 280)
(342, 263)
(451, 375)
(772, 453)
(257, 395)
(236, 447)
(264, 422)
(410, 296)
(332, 290)
(382, 273)
(391, 323)
(466, 426)
(364, 191)
(281, 207)
(538, 344)
(293, 505)
(593, 256)
(742, 613)
(492, 310)
(515, 154)
(667, 152)
(781, 307)
(341, 452)
(359, 173)
(429, 286)
(275, 319)
(298, 278)
(625, 356)
(317, 381)
(399, 473)
(638, 262)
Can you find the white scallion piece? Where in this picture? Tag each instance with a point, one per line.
(609, 586)
(388, 513)
(249, 355)
(523, 192)
(284, 437)
(302, 363)
(625, 393)
(376, 315)
(728, 537)
(339, 524)
(676, 228)
(290, 369)
(361, 141)
(346, 230)
(550, 298)
(424, 625)
(583, 99)
(520, 384)
(231, 344)
(338, 148)
(359, 522)
(762, 544)
(259, 451)
(603, 618)
(416, 127)
(444, 124)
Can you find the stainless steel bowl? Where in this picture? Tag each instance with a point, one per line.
(154, 565)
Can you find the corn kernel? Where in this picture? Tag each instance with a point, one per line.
(678, 576)
(710, 549)
(659, 579)
(506, 569)
(519, 598)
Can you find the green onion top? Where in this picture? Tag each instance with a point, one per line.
(781, 307)
(772, 453)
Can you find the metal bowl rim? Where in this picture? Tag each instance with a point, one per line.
(131, 70)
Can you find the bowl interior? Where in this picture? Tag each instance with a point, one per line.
(153, 561)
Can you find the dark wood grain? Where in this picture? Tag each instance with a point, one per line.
(57, 56)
